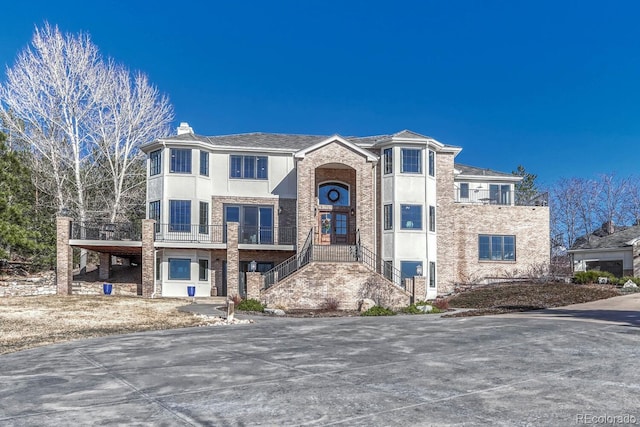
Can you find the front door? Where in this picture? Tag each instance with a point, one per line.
(333, 227)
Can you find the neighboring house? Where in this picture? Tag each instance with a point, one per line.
(324, 216)
(612, 249)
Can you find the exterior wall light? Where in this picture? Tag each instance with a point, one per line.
(253, 265)
(419, 270)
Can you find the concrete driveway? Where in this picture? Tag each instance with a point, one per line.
(567, 368)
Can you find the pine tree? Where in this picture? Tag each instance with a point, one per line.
(526, 189)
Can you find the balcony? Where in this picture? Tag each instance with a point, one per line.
(260, 235)
(118, 231)
(499, 197)
(190, 233)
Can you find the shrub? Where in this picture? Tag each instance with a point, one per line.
(377, 310)
(413, 308)
(250, 305)
(236, 299)
(591, 276)
(441, 304)
(330, 304)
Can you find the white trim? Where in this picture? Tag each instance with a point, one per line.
(337, 138)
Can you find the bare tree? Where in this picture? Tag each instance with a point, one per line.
(84, 119)
(565, 219)
(612, 198)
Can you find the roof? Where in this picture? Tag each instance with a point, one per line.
(475, 171)
(622, 237)
(283, 141)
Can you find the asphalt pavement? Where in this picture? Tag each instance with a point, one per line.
(572, 366)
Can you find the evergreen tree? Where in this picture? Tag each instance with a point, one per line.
(26, 231)
(526, 189)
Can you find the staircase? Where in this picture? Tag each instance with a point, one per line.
(332, 253)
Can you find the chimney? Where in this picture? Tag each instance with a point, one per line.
(184, 128)
(608, 227)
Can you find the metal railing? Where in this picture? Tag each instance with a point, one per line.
(499, 197)
(333, 253)
(290, 265)
(194, 233)
(260, 235)
(106, 231)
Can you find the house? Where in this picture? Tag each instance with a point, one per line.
(294, 219)
(610, 248)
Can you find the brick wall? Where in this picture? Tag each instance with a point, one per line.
(530, 225)
(286, 218)
(317, 166)
(447, 257)
(310, 287)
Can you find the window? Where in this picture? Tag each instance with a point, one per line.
(154, 213)
(204, 163)
(180, 160)
(155, 162)
(432, 218)
(411, 217)
(496, 248)
(464, 190)
(388, 160)
(203, 269)
(333, 193)
(249, 167)
(409, 269)
(432, 274)
(255, 223)
(204, 218)
(432, 163)
(388, 217)
(179, 215)
(179, 269)
(158, 268)
(411, 160)
(500, 194)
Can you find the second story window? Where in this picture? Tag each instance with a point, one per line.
(204, 163)
(249, 167)
(388, 217)
(179, 215)
(388, 160)
(432, 218)
(411, 217)
(464, 190)
(155, 162)
(411, 160)
(180, 160)
(154, 213)
(432, 163)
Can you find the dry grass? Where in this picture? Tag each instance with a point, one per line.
(27, 322)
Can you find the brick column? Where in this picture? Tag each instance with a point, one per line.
(419, 288)
(148, 257)
(254, 283)
(105, 266)
(233, 259)
(64, 256)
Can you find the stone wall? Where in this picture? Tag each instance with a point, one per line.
(29, 286)
(349, 283)
(95, 288)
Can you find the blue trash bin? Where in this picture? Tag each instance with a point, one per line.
(191, 290)
(107, 288)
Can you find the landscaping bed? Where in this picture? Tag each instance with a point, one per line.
(510, 297)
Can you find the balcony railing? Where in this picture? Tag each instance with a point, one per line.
(193, 233)
(106, 231)
(502, 198)
(260, 235)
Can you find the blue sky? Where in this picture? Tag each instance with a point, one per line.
(551, 85)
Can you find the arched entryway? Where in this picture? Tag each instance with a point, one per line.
(335, 222)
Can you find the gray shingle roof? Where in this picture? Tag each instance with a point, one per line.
(284, 141)
(475, 171)
(601, 240)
